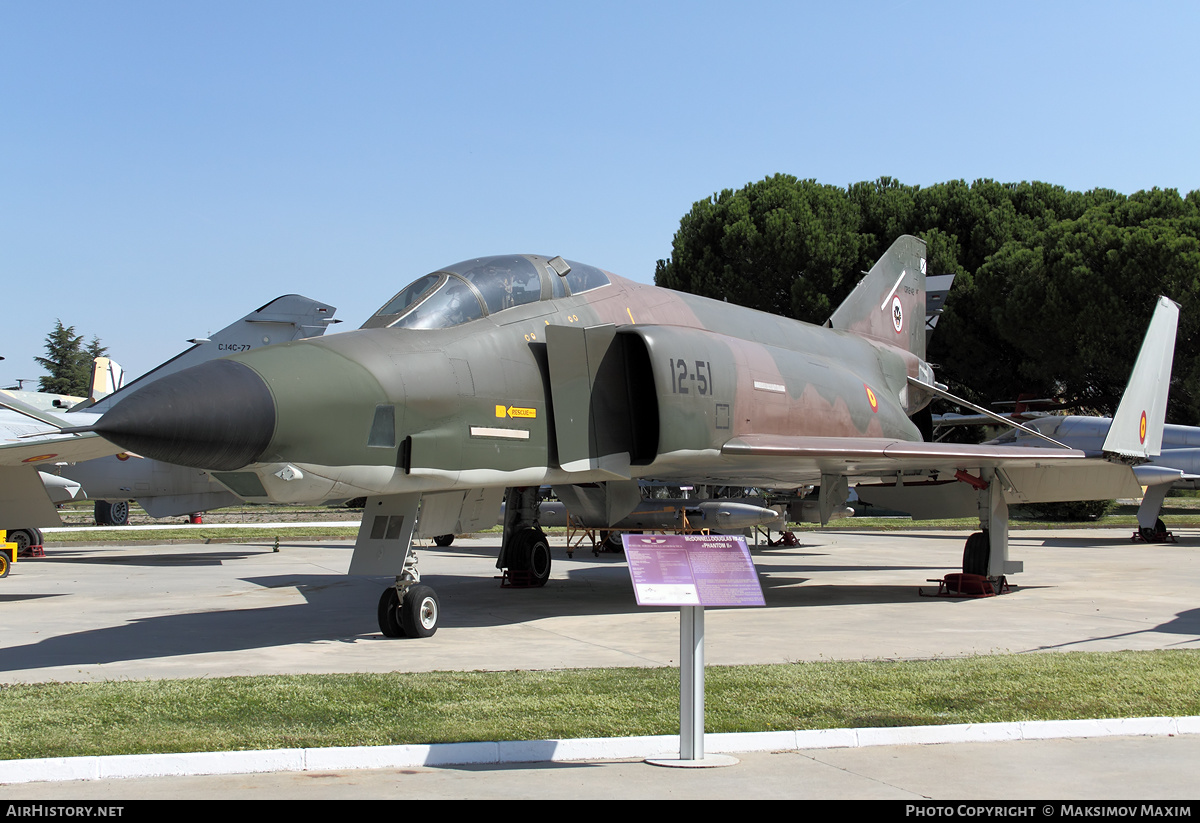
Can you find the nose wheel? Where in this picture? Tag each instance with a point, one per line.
(414, 613)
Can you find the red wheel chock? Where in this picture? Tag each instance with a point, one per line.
(960, 584)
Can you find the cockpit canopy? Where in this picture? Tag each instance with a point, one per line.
(482, 287)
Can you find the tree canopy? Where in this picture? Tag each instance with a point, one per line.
(68, 362)
(1054, 288)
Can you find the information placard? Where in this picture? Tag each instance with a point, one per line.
(692, 570)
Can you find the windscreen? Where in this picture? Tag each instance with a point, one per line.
(479, 287)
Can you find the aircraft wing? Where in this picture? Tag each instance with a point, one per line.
(874, 455)
(26, 441)
(1028, 475)
(54, 448)
(805, 458)
(29, 434)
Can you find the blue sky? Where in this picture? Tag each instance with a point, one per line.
(167, 167)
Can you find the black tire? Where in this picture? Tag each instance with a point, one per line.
(5, 564)
(389, 613)
(531, 553)
(977, 553)
(24, 538)
(614, 544)
(444, 540)
(112, 514)
(419, 612)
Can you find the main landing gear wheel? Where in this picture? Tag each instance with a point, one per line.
(389, 613)
(25, 539)
(112, 514)
(977, 553)
(531, 553)
(444, 540)
(1158, 534)
(419, 611)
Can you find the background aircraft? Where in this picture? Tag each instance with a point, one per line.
(517, 371)
(28, 419)
(1176, 467)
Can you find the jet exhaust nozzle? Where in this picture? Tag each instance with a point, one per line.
(219, 415)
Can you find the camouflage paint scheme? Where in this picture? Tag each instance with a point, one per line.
(591, 379)
(492, 402)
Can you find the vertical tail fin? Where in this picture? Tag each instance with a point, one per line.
(1137, 428)
(107, 377)
(889, 303)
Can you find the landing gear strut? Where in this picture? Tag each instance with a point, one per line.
(525, 552)
(985, 556)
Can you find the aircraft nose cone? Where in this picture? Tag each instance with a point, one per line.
(219, 415)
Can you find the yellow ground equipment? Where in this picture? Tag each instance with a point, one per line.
(8, 554)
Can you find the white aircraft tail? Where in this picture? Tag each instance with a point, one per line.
(107, 377)
(1136, 432)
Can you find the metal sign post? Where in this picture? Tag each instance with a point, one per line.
(692, 572)
(691, 683)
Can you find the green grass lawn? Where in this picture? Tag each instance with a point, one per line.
(221, 714)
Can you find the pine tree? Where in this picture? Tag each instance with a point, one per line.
(69, 365)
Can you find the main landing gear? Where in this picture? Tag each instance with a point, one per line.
(985, 563)
(29, 542)
(525, 552)
(112, 514)
(1157, 534)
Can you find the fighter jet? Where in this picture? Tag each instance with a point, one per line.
(74, 465)
(1176, 467)
(517, 371)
